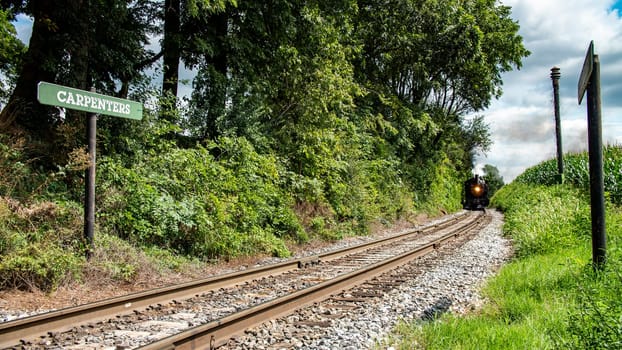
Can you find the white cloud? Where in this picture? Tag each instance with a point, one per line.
(558, 34)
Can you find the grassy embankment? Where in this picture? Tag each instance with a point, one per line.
(548, 296)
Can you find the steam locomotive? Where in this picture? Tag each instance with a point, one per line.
(475, 194)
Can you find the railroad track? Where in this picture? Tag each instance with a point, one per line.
(207, 313)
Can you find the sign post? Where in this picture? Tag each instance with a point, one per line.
(94, 104)
(89, 185)
(590, 81)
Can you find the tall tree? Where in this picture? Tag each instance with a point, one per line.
(80, 43)
(428, 63)
(11, 52)
(493, 179)
(41, 63)
(447, 54)
(171, 46)
(208, 50)
(245, 56)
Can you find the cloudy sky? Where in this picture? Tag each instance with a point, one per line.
(558, 33)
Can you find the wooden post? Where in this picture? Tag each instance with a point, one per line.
(589, 81)
(89, 190)
(555, 75)
(597, 187)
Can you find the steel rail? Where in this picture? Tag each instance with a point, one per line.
(31, 327)
(216, 333)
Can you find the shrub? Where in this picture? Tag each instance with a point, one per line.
(16, 173)
(41, 244)
(193, 203)
(595, 323)
(39, 266)
(445, 188)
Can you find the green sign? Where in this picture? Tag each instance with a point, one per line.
(62, 96)
(586, 72)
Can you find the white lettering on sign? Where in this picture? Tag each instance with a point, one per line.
(101, 104)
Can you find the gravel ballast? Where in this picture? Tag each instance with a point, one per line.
(451, 283)
(447, 280)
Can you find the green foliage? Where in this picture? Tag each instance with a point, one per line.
(40, 266)
(40, 240)
(115, 259)
(596, 321)
(19, 179)
(425, 65)
(493, 179)
(11, 52)
(576, 172)
(240, 202)
(445, 189)
(167, 260)
(191, 202)
(427, 50)
(194, 6)
(552, 206)
(40, 244)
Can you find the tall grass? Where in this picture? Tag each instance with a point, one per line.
(576, 172)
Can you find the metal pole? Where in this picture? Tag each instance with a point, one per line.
(555, 75)
(597, 196)
(89, 197)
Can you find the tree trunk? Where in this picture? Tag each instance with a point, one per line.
(171, 46)
(22, 111)
(219, 60)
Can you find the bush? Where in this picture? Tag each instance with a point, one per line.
(39, 266)
(17, 178)
(193, 203)
(41, 244)
(445, 189)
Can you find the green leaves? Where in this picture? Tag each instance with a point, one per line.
(340, 112)
(493, 179)
(439, 53)
(193, 203)
(576, 172)
(38, 266)
(11, 52)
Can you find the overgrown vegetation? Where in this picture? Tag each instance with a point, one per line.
(549, 296)
(181, 205)
(300, 123)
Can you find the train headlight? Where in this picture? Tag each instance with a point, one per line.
(477, 190)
